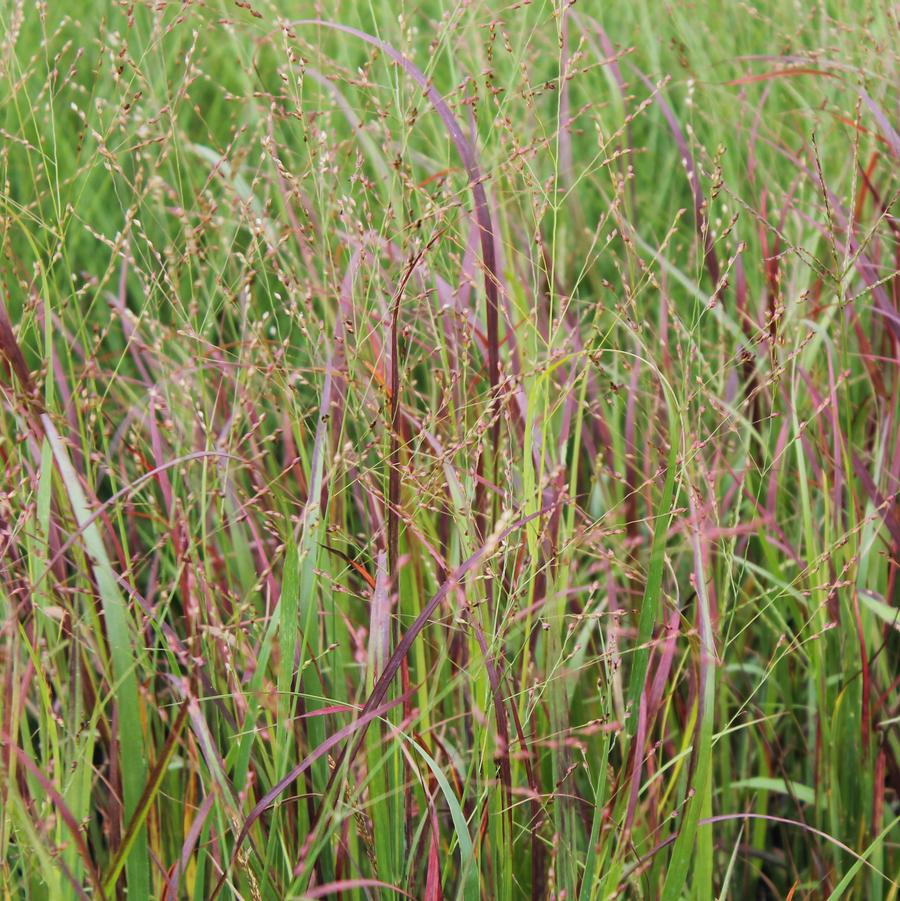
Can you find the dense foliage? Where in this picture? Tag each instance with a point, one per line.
(451, 450)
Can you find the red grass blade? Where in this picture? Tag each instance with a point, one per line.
(482, 213)
(62, 809)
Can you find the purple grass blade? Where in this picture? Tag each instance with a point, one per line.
(61, 808)
(687, 158)
(269, 798)
(380, 618)
(190, 842)
(482, 212)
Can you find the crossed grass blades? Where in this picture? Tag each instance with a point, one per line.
(450, 450)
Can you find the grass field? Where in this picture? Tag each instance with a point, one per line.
(451, 450)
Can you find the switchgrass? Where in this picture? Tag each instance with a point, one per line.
(452, 450)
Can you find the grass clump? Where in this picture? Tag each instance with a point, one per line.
(451, 451)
